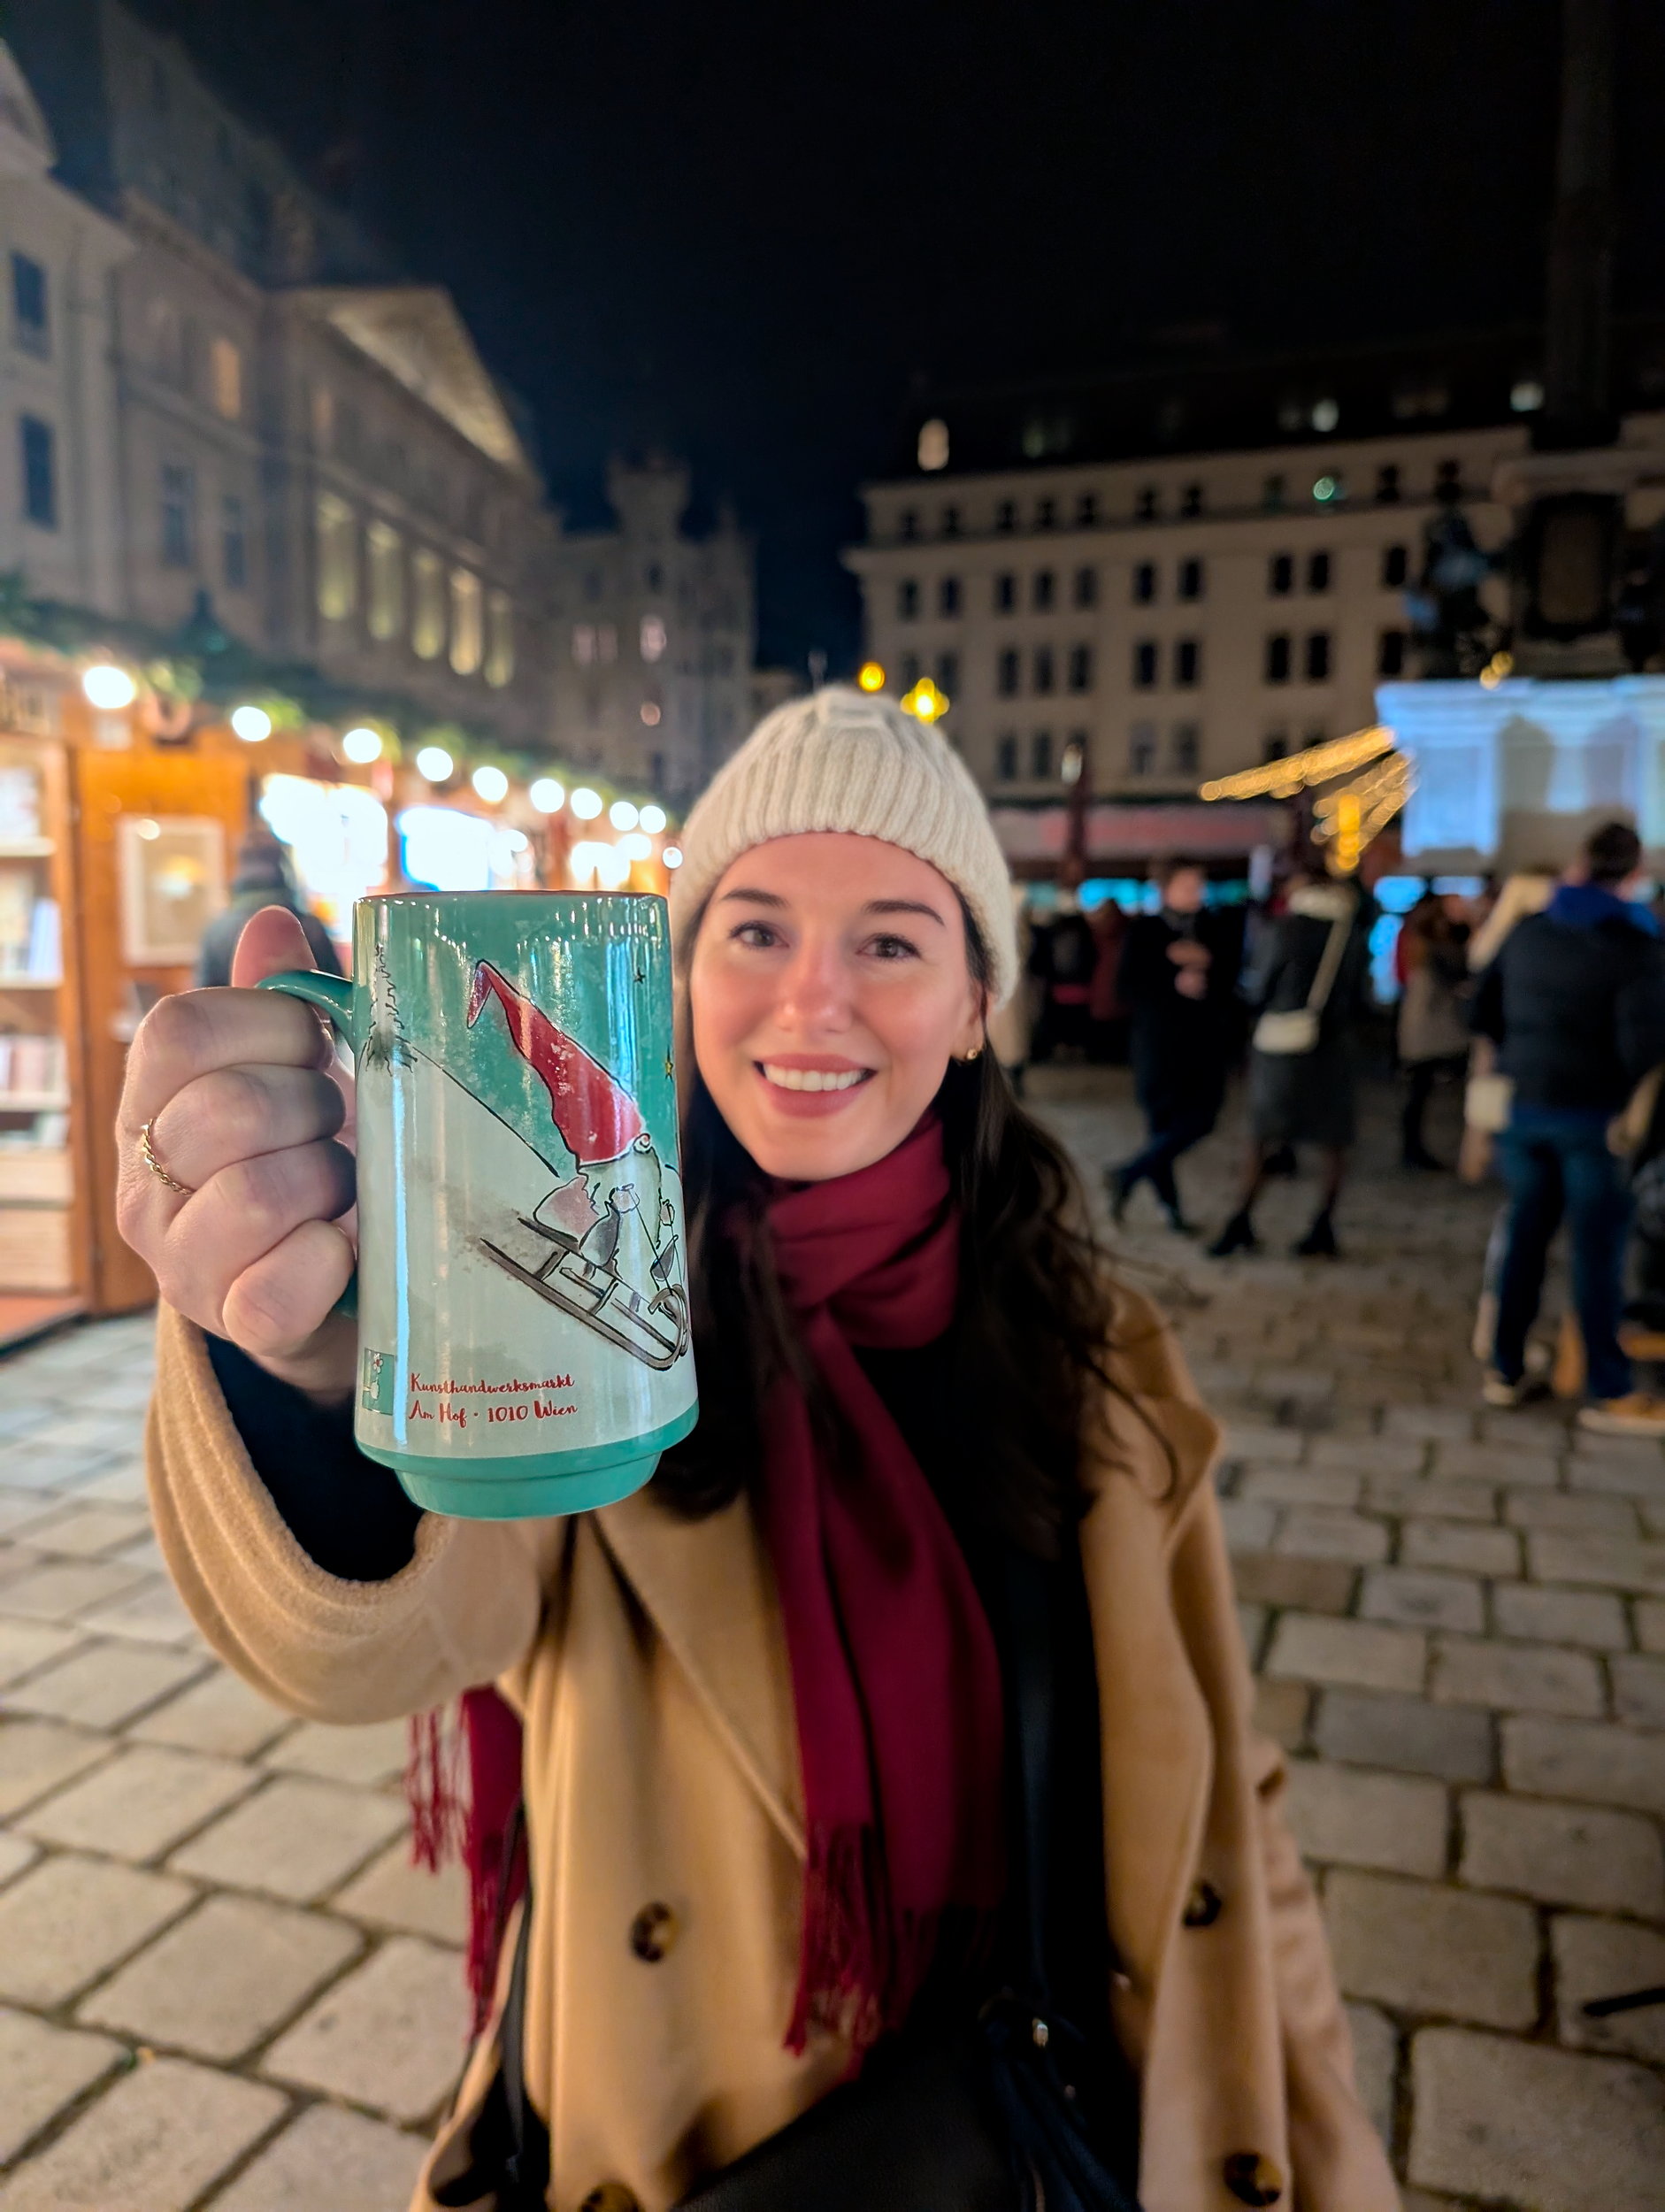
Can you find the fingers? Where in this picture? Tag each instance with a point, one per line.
(272, 942)
(276, 1307)
(236, 1114)
(195, 1032)
(198, 1246)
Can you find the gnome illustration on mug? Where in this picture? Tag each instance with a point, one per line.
(601, 1251)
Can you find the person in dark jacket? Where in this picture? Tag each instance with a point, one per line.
(1178, 981)
(264, 878)
(1575, 1002)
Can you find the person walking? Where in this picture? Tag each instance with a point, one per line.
(264, 878)
(1309, 981)
(1433, 1028)
(1574, 1004)
(1178, 980)
(947, 1524)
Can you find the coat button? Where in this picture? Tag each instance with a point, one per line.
(653, 1932)
(1203, 1906)
(612, 2196)
(1253, 2179)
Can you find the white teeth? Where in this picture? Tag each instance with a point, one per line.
(814, 1078)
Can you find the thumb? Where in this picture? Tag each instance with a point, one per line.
(272, 940)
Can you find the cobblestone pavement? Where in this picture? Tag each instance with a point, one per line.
(221, 1984)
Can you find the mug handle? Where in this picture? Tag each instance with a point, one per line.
(332, 996)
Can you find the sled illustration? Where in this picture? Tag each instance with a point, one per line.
(654, 1330)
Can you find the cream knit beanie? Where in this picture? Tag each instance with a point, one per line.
(840, 760)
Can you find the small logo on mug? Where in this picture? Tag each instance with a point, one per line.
(375, 1382)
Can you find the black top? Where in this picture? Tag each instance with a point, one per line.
(1577, 1011)
(1287, 960)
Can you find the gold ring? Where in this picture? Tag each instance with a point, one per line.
(147, 1153)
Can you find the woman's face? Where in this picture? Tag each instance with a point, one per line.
(829, 989)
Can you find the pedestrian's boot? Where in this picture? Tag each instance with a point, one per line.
(1319, 1243)
(1237, 1236)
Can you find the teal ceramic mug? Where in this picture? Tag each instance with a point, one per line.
(522, 1301)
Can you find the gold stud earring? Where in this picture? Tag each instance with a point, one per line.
(976, 1053)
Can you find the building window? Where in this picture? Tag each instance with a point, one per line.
(1144, 664)
(1277, 659)
(1390, 653)
(1141, 750)
(1395, 566)
(1005, 594)
(500, 639)
(1274, 494)
(233, 543)
(1046, 513)
(652, 637)
(31, 329)
(950, 522)
(908, 598)
(1006, 759)
(1184, 748)
(1145, 505)
(1188, 660)
(1042, 589)
(179, 504)
(909, 523)
(1040, 757)
(1087, 588)
(224, 379)
(948, 595)
(1317, 572)
(1191, 500)
(1191, 579)
(1388, 484)
(40, 472)
(1080, 668)
(1280, 574)
(948, 672)
(427, 607)
(1144, 583)
(1006, 518)
(468, 625)
(385, 549)
(337, 558)
(584, 643)
(1087, 511)
(1274, 747)
(1448, 481)
(1318, 658)
(1006, 674)
(1043, 668)
(909, 672)
(606, 642)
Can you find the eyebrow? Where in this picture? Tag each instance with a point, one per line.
(873, 906)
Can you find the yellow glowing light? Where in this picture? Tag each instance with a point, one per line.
(361, 746)
(1319, 763)
(872, 677)
(108, 687)
(1495, 670)
(925, 703)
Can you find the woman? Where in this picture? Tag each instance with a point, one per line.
(1314, 961)
(767, 1703)
(1432, 960)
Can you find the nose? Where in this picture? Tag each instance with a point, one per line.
(815, 996)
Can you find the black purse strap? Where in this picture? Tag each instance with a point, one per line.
(1029, 1600)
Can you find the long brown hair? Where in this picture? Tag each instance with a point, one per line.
(1032, 1329)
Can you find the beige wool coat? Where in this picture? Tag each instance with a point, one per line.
(647, 1657)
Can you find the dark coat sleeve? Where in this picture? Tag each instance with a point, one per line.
(1640, 1017)
(1485, 1011)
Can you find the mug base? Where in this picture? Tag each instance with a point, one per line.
(537, 1485)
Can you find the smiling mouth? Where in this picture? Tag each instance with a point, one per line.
(812, 1078)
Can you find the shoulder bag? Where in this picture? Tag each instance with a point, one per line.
(1295, 1032)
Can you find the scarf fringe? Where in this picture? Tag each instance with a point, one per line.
(433, 1787)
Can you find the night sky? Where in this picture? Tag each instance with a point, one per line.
(741, 232)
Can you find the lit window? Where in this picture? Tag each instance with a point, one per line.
(1087, 588)
(948, 595)
(1317, 572)
(933, 444)
(1145, 583)
(1188, 660)
(1526, 396)
(1006, 674)
(1191, 579)
(1042, 589)
(1080, 668)
(224, 379)
(1280, 574)
(1388, 484)
(1006, 759)
(468, 626)
(30, 327)
(1141, 750)
(948, 672)
(1043, 668)
(1277, 659)
(179, 531)
(1318, 658)
(1390, 653)
(1186, 748)
(427, 604)
(1144, 664)
(385, 549)
(584, 643)
(907, 599)
(40, 472)
(233, 543)
(1087, 511)
(1005, 594)
(1395, 566)
(337, 558)
(1326, 415)
(1191, 500)
(653, 637)
(1006, 515)
(1040, 757)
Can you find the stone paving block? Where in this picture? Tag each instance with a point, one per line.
(220, 1981)
(70, 1919)
(1650, 1624)
(26, 1645)
(65, 1589)
(1531, 1614)
(391, 1892)
(1300, 1485)
(150, 1615)
(329, 2158)
(1562, 1854)
(376, 1754)
(1638, 1692)
(1592, 1760)
(1582, 1512)
(122, 1484)
(19, 1415)
(220, 1713)
(15, 1855)
(102, 1684)
(1375, 2063)
(1417, 1597)
(1313, 1585)
(1248, 1439)
(1404, 1734)
(1422, 1947)
(152, 2143)
(1607, 1958)
(36, 1756)
(1314, 1647)
(1302, 1384)
(1498, 1463)
(140, 1802)
(297, 1838)
(1391, 1822)
(82, 1532)
(388, 2036)
(1516, 1678)
(1618, 1477)
(1251, 1620)
(1281, 1711)
(24, 1465)
(82, 1430)
(1442, 1424)
(1321, 1533)
(144, 1552)
(1383, 1458)
(1436, 1497)
(1610, 1562)
(1247, 1527)
(1460, 1545)
(1528, 2126)
(43, 2069)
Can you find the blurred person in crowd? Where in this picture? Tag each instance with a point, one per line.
(1062, 961)
(946, 1526)
(1433, 1027)
(1107, 1016)
(264, 878)
(1575, 1004)
(1309, 978)
(1178, 980)
(1485, 1100)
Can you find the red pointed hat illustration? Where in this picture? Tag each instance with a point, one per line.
(598, 1119)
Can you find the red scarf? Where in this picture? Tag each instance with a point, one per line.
(894, 1674)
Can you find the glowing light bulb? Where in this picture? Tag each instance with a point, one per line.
(361, 746)
(491, 784)
(622, 815)
(251, 724)
(108, 687)
(653, 820)
(671, 856)
(548, 795)
(872, 677)
(586, 804)
(634, 846)
(434, 764)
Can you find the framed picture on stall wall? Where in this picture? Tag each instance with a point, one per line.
(173, 876)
